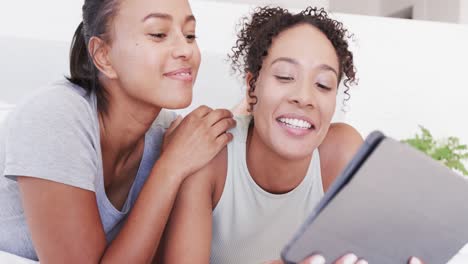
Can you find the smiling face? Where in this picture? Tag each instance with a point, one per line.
(296, 91)
(154, 52)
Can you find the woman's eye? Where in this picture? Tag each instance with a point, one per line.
(284, 78)
(158, 35)
(191, 37)
(323, 87)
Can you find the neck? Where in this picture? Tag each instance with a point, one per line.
(124, 125)
(280, 175)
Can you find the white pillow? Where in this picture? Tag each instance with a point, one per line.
(4, 110)
(6, 257)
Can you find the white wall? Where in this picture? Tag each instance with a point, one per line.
(447, 10)
(389, 7)
(47, 20)
(362, 7)
(419, 8)
(289, 3)
(464, 11)
(432, 10)
(411, 72)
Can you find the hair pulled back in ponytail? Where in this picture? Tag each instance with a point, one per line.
(97, 16)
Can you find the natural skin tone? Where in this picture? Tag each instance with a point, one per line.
(150, 62)
(298, 80)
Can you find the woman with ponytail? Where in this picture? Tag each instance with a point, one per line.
(84, 177)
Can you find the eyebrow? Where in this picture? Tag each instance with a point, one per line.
(324, 67)
(167, 17)
(285, 59)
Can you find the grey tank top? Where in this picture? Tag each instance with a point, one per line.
(251, 225)
(54, 135)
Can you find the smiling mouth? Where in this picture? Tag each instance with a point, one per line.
(184, 73)
(183, 76)
(296, 123)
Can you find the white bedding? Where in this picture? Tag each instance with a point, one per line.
(460, 258)
(13, 259)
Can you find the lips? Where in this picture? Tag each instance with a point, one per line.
(296, 125)
(183, 74)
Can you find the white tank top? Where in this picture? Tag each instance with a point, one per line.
(251, 225)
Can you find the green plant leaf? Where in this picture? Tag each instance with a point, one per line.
(449, 151)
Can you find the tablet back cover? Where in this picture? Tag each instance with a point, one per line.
(400, 203)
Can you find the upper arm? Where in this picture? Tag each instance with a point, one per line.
(336, 151)
(53, 137)
(187, 237)
(50, 151)
(63, 220)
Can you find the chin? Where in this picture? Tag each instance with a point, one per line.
(294, 152)
(293, 149)
(178, 103)
(174, 98)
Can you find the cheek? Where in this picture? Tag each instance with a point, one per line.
(328, 102)
(327, 110)
(134, 61)
(140, 69)
(148, 66)
(330, 109)
(151, 60)
(195, 64)
(269, 96)
(196, 57)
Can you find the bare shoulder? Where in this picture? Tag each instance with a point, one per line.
(210, 178)
(337, 149)
(219, 173)
(342, 136)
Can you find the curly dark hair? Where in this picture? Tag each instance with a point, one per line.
(258, 30)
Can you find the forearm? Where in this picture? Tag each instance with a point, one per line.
(188, 232)
(188, 240)
(142, 231)
(199, 137)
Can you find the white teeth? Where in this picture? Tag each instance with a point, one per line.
(295, 123)
(183, 74)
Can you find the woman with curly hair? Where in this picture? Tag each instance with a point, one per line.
(246, 204)
(292, 64)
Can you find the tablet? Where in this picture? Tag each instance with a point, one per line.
(390, 202)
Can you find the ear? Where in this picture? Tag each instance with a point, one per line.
(248, 78)
(99, 52)
(248, 94)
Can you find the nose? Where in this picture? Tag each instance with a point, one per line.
(304, 95)
(182, 49)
